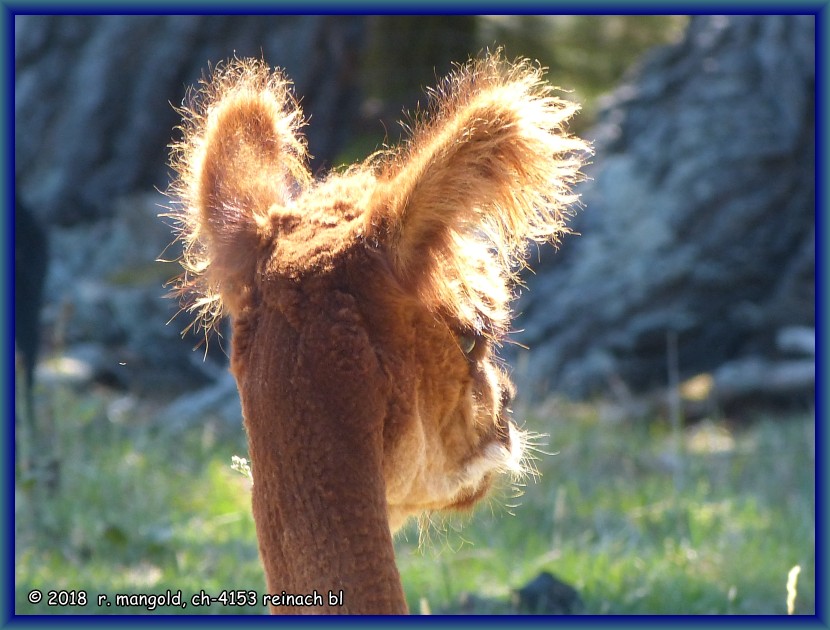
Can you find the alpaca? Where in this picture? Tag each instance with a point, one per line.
(366, 307)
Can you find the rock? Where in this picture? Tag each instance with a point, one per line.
(219, 401)
(106, 289)
(547, 595)
(698, 219)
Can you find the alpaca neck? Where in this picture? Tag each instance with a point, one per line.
(323, 533)
(319, 496)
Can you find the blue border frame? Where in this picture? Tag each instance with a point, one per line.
(588, 7)
(10, 9)
(821, 173)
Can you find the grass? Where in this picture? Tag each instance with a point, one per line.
(140, 510)
(633, 525)
(638, 530)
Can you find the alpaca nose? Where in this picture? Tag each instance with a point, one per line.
(503, 416)
(507, 393)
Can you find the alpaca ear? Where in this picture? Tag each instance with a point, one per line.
(241, 154)
(490, 159)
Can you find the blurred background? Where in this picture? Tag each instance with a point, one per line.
(667, 350)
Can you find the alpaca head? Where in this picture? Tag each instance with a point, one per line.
(367, 306)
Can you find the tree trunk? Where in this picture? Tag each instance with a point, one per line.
(93, 95)
(698, 217)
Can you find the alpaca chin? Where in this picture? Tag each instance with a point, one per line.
(502, 455)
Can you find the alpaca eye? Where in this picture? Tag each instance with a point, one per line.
(467, 343)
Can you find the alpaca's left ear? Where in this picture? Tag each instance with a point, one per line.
(491, 158)
(241, 155)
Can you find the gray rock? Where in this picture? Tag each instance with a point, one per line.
(698, 215)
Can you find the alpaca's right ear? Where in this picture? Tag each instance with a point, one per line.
(240, 155)
(490, 163)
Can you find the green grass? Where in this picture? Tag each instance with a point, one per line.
(140, 510)
(639, 530)
(618, 514)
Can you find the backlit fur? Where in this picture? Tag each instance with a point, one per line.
(366, 306)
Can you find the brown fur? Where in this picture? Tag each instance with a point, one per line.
(366, 307)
